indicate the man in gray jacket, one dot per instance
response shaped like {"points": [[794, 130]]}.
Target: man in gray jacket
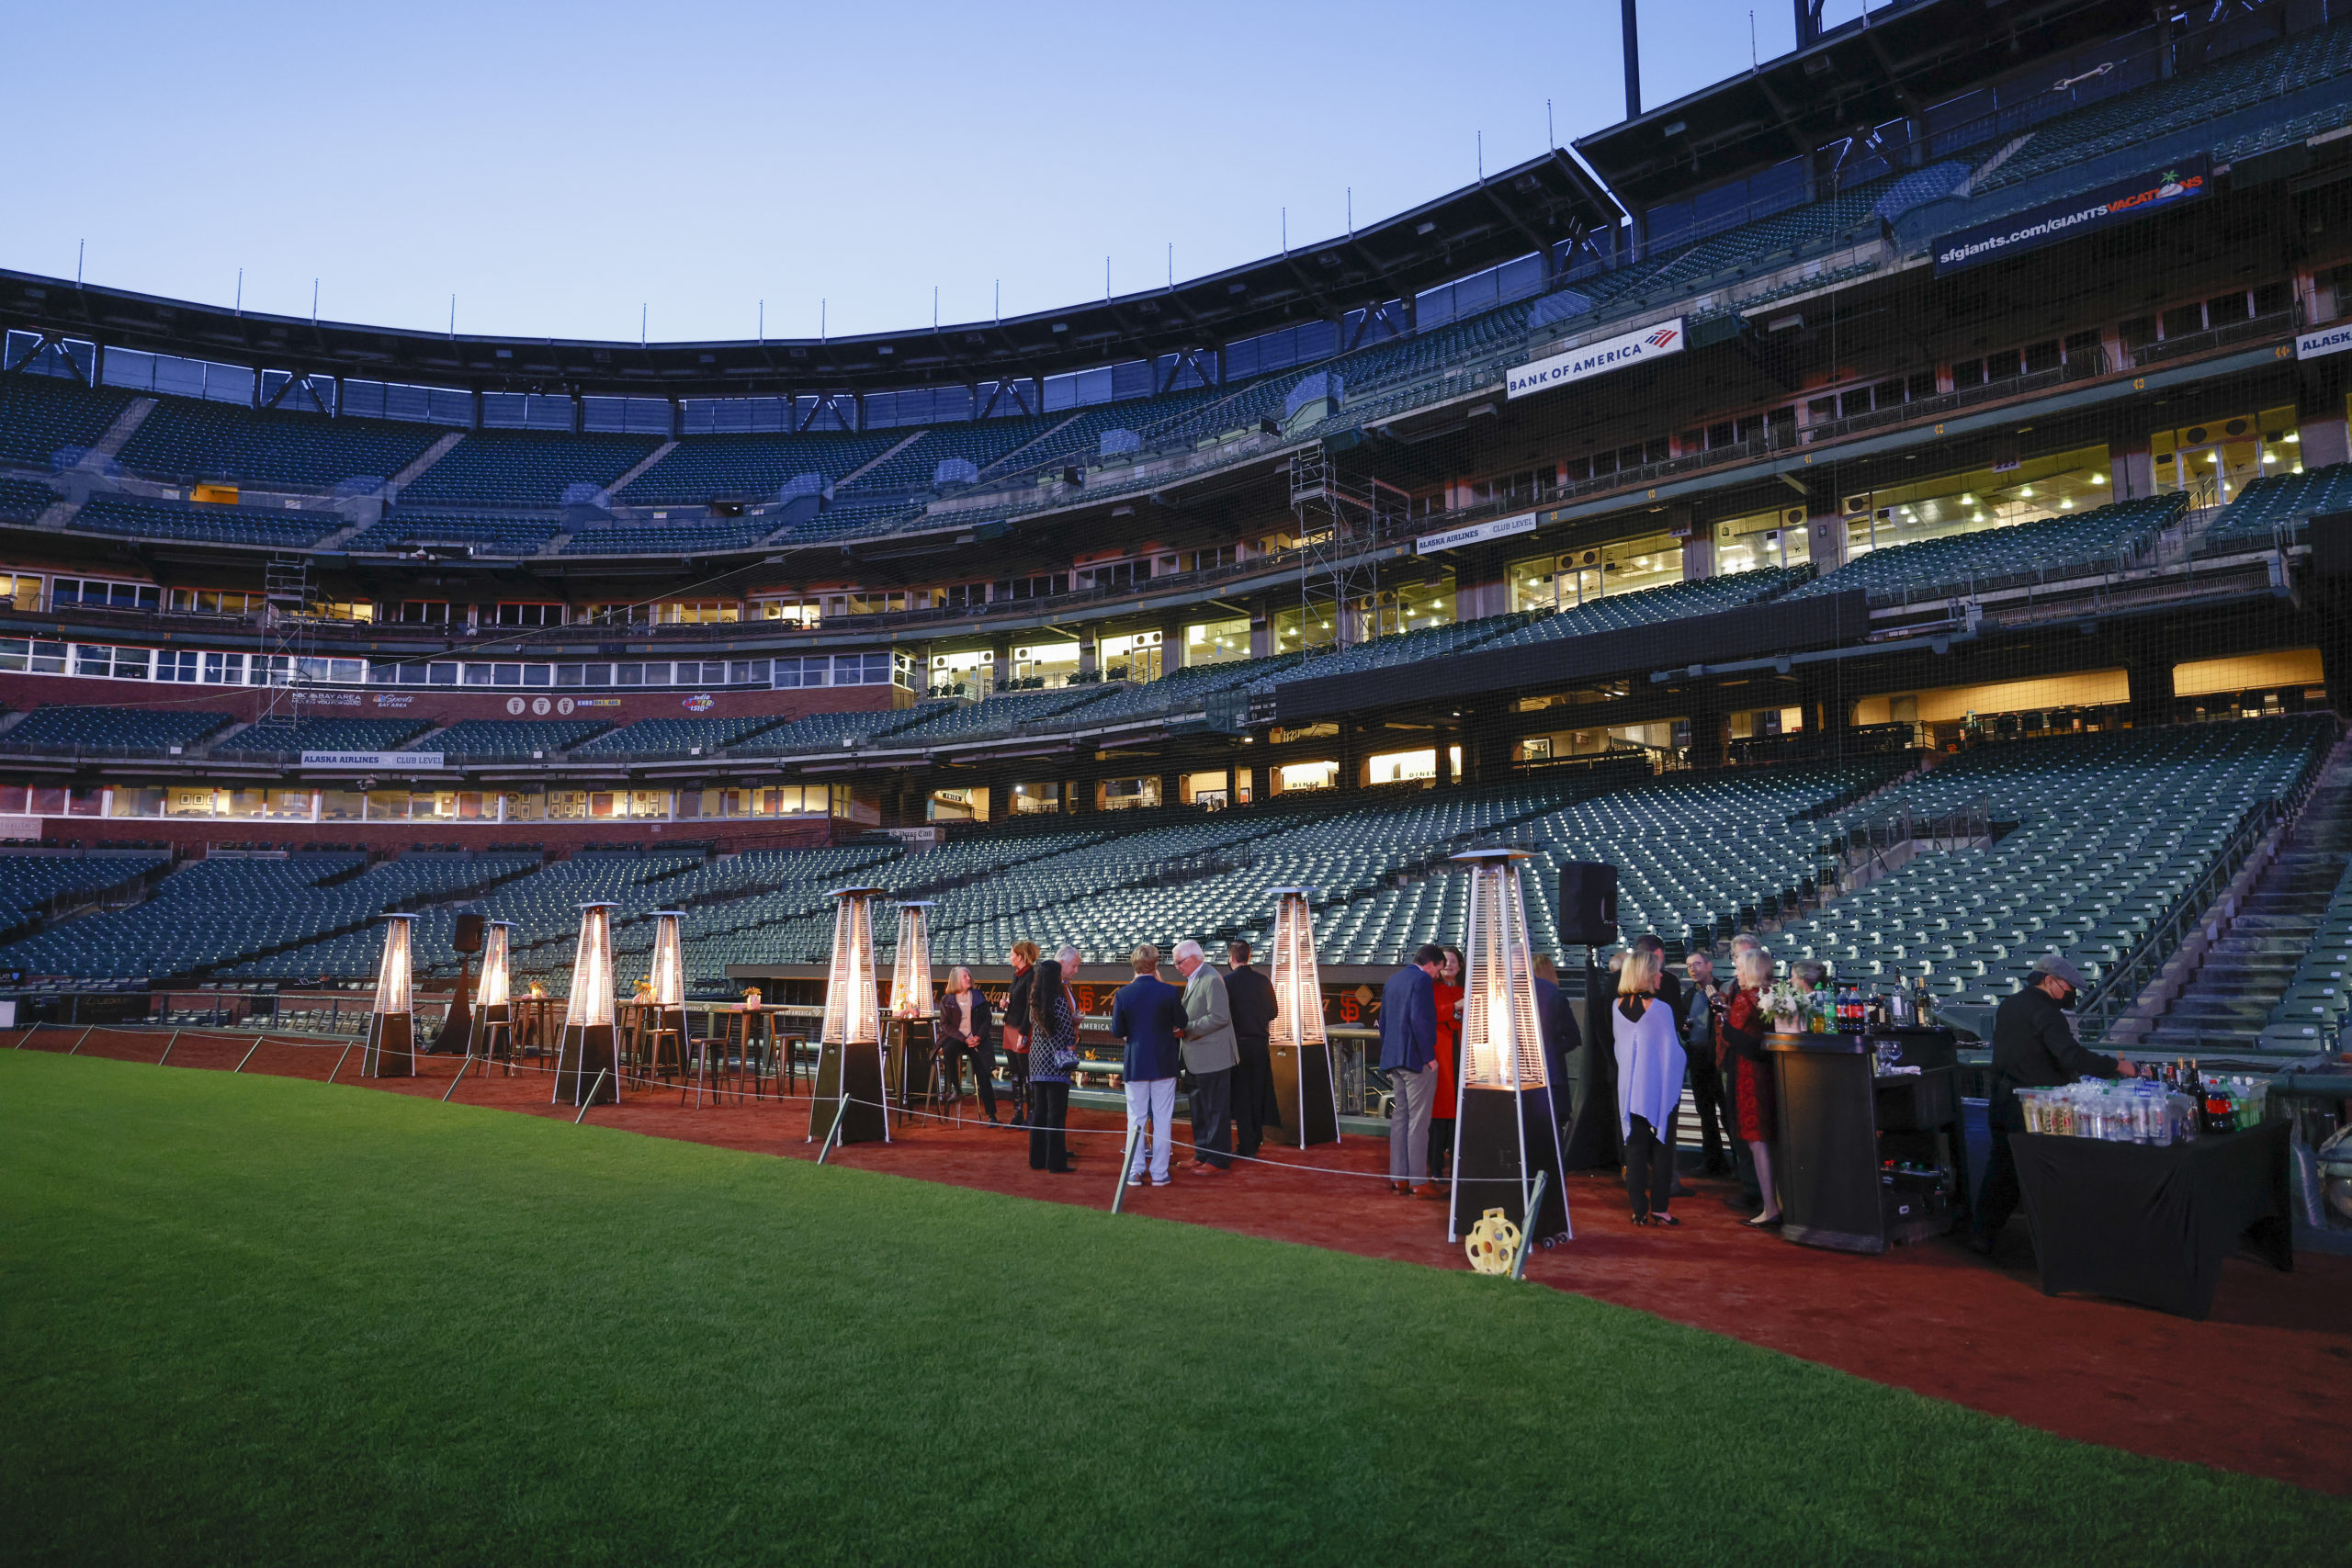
{"points": [[1210, 1054]]}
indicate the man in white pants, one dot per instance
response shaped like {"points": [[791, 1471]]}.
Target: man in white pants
{"points": [[1146, 1015]]}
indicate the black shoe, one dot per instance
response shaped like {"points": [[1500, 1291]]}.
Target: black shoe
{"points": [[1716, 1167], [1980, 1244], [1641, 1219], [1664, 1219]]}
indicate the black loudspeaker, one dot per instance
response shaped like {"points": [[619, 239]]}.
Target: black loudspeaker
{"points": [[1588, 903], [467, 936]]}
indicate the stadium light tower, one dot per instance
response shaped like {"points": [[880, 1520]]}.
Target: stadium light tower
{"points": [[587, 1066], [392, 1024], [1304, 1087], [849, 1058], [1507, 1133]]}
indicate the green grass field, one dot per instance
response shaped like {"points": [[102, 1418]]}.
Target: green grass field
{"points": [[252, 1319]]}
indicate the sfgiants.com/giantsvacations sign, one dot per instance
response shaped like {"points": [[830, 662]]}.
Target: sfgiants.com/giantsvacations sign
{"points": [[1598, 358]]}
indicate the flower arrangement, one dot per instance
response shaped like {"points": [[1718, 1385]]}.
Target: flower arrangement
{"points": [[1788, 1005]]}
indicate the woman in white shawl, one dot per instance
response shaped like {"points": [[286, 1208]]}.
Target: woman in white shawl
{"points": [[1649, 1086]]}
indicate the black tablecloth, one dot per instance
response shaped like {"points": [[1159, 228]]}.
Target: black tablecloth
{"points": [[2152, 1224]]}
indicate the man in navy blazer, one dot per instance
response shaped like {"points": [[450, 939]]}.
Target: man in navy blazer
{"points": [[1409, 1056], [1147, 1014]]}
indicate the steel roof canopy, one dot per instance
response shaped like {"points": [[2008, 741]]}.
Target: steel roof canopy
{"points": [[1506, 215], [1898, 60]]}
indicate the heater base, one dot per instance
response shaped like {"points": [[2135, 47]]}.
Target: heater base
{"points": [[1304, 1093], [1493, 1126], [854, 1073], [392, 1046], [586, 1064]]}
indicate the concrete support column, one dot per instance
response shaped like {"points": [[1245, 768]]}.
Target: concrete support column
{"points": [[1172, 644], [1481, 583], [2132, 469], [1710, 729], [2148, 678], [1001, 671], [2319, 415], [1699, 554], [1089, 639], [1351, 756], [1826, 533], [1261, 630]]}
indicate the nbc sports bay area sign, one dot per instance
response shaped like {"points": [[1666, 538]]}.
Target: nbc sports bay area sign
{"points": [[1652, 342]]}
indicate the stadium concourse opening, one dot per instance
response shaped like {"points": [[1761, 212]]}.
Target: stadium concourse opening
{"points": [[1864, 547]]}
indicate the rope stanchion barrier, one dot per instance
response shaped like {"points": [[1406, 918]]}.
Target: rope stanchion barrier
{"points": [[167, 1048], [83, 1040], [594, 1090], [834, 1132], [1527, 1230], [340, 1060], [460, 1078], [1126, 1163]]}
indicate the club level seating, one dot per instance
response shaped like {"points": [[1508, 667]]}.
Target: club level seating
{"points": [[1406, 648], [217, 524], [2048, 550], [323, 732], [486, 532], [2172, 106], [42, 416], [669, 537], [519, 739], [24, 500], [1647, 606], [1007, 710], [850, 519], [1079, 439], [752, 467], [155, 731], [522, 468], [1182, 691], [677, 736], [182, 437], [2277, 504], [837, 731]]}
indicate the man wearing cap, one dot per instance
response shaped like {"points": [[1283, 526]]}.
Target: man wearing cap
{"points": [[2032, 1048]]}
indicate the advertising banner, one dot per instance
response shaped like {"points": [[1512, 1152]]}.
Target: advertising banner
{"points": [[1598, 358], [1475, 533], [2052, 221]]}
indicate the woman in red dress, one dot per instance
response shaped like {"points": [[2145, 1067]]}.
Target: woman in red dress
{"points": [[1449, 1030], [1747, 1072]]}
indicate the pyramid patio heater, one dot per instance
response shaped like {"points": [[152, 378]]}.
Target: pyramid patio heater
{"points": [[663, 1020], [914, 1034], [493, 1013], [849, 1058], [1305, 1086], [1507, 1133], [391, 1025], [587, 1063]]}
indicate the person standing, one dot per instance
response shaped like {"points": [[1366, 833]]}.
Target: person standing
{"points": [[2033, 1047], [1250, 995], [1748, 1073], [1052, 1050], [964, 1024], [1147, 1014], [1448, 993], [1209, 1056], [1649, 1087], [1409, 1056], [1669, 988], [1699, 1005], [1024, 959]]}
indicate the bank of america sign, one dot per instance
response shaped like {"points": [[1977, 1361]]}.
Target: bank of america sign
{"points": [[1599, 358]]}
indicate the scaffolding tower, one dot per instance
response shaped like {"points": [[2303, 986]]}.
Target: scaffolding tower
{"points": [[1341, 521], [288, 619]]}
